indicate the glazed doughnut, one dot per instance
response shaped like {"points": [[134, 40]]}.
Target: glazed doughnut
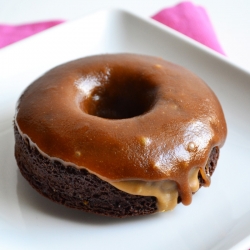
{"points": [[119, 134]]}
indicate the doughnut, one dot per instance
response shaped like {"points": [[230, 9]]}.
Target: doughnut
{"points": [[119, 134]]}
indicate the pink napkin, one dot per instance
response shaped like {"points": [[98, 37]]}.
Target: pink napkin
{"points": [[185, 17], [13, 33], [192, 21]]}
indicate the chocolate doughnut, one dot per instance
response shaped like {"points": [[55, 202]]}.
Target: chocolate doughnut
{"points": [[119, 134]]}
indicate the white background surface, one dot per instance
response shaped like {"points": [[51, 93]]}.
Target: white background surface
{"points": [[231, 18]]}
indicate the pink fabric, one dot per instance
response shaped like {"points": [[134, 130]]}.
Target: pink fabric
{"points": [[13, 33], [191, 20], [185, 17]]}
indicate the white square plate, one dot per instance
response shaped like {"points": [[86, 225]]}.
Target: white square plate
{"points": [[219, 216]]}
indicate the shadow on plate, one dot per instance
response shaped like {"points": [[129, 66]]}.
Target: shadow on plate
{"points": [[28, 195]]}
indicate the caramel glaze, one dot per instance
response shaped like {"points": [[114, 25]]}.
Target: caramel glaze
{"points": [[125, 117]]}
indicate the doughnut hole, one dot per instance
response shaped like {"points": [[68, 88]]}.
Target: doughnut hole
{"points": [[120, 96]]}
